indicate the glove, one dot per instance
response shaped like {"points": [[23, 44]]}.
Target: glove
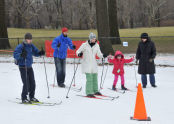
{"points": [[80, 54], [136, 62], [110, 57], [24, 53], [58, 45], [133, 58], [74, 47], [104, 55], [41, 53], [151, 60]]}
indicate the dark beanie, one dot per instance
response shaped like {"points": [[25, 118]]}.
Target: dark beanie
{"points": [[144, 36], [28, 36]]}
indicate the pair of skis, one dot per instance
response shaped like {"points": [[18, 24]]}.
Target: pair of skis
{"points": [[121, 91], [36, 103], [101, 97], [118, 91], [74, 88], [67, 87]]}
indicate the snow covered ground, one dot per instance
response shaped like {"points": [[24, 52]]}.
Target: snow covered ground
{"points": [[161, 59], [77, 110]]}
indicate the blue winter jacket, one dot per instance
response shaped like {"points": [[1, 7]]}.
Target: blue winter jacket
{"points": [[65, 42], [30, 49]]}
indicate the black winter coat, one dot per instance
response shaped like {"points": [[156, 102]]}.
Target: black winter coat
{"points": [[145, 52]]}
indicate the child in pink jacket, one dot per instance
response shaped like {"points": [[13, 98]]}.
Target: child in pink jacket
{"points": [[118, 62]]}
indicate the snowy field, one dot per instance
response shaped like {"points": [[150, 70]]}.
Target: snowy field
{"points": [[161, 59], [78, 110]]}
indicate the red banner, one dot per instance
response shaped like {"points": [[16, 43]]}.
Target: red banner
{"points": [[70, 53]]}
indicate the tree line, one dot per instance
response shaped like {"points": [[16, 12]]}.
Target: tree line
{"points": [[107, 16], [81, 14]]}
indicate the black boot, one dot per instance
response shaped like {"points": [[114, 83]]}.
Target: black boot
{"points": [[62, 85], [144, 86], [34, 100], [26, 101], [154, 86], [113, 88], [98, 93], [123, 88], [90, 96]]}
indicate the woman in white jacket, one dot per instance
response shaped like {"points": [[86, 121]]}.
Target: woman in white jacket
{"points": [[89, 50]]}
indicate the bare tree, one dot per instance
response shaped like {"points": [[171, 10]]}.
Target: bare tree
{"points": [[50, 9], [91, 14], [81, 14], [27, 9], [126, 13], [153, 11], [103, 27], [59, 13], [4, 43], [113, 22]]}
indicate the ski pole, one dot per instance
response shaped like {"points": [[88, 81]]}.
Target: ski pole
{"points": [[105, 76], [26, 74], [135, 71], [135, 75], [46, 77], [102, 74], [74, 69], [54, 79], [72, 79]]}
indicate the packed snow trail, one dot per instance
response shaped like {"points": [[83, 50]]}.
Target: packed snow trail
{"points": [[75, 110]]}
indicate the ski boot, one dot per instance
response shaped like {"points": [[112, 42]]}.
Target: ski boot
{"points": [[154, 86], [113, 88], [26, 101], [34, 100], [123, 87], [98, 93], [62, 85], [90, 96]]}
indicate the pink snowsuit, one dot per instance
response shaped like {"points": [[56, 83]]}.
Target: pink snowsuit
{"points": [[119, 66]]}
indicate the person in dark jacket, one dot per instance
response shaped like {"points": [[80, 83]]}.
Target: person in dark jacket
{"points": [[146, 53], [60, 45], [23, 55]]}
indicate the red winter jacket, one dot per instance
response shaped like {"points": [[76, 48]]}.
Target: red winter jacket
{"points": [[119, 64]]}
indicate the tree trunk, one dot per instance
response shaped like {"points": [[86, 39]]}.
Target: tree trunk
{"points": [[27, 21], [61, 12], [158, 18], [113, 22], [4, 43], [103, 27], [131, 21], [19, 20]]}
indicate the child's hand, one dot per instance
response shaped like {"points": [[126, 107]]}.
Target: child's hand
{"points": [[133, 58], [110, 57]]}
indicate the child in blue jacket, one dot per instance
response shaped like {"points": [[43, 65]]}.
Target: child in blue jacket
{"points": [[23, 56]]}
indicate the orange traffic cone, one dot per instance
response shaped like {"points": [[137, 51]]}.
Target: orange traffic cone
{"points": [[140, 109]]}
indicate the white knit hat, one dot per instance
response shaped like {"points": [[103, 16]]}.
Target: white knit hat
{"points": [[92, 36]]}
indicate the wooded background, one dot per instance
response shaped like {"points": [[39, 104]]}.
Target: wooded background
{"points": [[81, 14], [107, 16]]}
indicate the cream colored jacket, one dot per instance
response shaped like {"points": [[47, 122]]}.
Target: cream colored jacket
{"points": [[89, 63]]}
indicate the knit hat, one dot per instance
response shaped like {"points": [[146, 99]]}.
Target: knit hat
{"points": [[64, 29], [92, 36], [144, 36], [28, 36]]}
